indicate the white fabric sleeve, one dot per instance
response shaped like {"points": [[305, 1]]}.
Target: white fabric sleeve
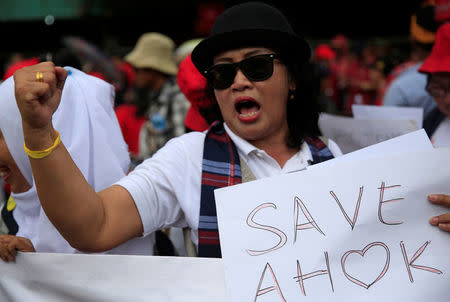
{"points": [[162, 185]]}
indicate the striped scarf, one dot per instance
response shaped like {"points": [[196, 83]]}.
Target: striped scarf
{"points": [[221, 168]]}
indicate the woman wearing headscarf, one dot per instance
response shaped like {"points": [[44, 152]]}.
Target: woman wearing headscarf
{"points": [[91, 134], [267, 126]]}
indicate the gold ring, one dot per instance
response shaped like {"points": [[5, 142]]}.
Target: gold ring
{"points": [[39, 76]]}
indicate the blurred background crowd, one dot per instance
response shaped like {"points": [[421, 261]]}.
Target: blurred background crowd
{"points": [[358, 47]]}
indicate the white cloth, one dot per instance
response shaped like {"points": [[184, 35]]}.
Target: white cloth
{"points": [[166, 188], [90, 131], [441, 136]]}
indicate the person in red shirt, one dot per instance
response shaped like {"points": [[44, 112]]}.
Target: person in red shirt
{"points": [[193, 86], [342, 66], [131, 123]]}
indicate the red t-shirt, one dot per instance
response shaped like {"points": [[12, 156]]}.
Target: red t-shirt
{"points": [[131, 125]]}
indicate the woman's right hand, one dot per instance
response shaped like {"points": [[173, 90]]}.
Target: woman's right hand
{"points": [[38, 100], [9, 245], [441, 221]]}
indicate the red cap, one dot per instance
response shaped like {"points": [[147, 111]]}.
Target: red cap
{"points": [[193, 86], [439, 58], [16, 66], [324, 52]]}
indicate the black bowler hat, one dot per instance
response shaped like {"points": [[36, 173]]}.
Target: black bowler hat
{"points": [[251, 24]]}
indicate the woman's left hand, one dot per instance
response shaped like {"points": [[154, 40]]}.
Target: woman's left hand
{"points": [[9, 245], [441, 221]]}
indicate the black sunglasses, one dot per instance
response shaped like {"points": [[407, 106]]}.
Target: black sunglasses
{"points": [[256, 68]]}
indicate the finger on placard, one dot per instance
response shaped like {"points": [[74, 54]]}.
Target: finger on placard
{"points": [[24, 245], [13, 246], [441, 219], [4, 253], [12, 252], [444, 226], [441, 199]]}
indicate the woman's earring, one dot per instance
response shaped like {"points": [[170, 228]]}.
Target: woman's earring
{"points": [[291, 94]]}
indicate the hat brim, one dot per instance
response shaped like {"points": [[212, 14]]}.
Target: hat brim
{"points": [[431, 65], [287, 45], [161, 65]]}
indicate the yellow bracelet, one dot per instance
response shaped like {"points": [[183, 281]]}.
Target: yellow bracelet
{"points": [[42, 153]]}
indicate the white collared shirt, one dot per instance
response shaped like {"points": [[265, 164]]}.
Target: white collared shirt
{"points": [[166, 187], [263, 165]]}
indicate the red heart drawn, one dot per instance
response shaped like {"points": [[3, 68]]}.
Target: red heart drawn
{"points": [[361, 253]]}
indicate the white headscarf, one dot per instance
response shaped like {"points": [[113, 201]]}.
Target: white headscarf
{"points": [[91, 133]]}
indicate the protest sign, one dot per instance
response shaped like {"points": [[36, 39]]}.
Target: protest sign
{"points": [[47, 277], [414, 141], [352, 134], [372, 112], [359, 232]]}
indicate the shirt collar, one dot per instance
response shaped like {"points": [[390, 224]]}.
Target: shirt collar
{"points": [[246, 148]]}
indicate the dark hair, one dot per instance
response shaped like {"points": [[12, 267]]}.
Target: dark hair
{"points": [[302, 110]]}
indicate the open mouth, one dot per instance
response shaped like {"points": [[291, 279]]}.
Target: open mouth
{"points": [[247, 108]]}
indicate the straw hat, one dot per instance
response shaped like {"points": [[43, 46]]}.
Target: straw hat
{"points": [[423, 25], [153, 50]]}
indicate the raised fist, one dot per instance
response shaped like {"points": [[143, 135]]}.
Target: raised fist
{"points": [[38, 91]]}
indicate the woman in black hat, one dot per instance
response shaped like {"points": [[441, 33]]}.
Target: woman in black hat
{"points": [[267, 125]]}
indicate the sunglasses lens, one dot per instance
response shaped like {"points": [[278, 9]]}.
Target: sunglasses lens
{"points": [[222, 76], [258, 68]]}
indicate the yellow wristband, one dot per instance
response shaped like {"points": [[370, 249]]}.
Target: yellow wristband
{"points": [[10, 204], [42, 153]]}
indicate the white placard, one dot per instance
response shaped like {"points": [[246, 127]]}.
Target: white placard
{"points": [[352, 134], [410, 142], [372, 112], [359, 232]]}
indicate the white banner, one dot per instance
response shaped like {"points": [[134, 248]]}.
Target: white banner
{"points": [[357, 231], [353, 134], [41, 277]]}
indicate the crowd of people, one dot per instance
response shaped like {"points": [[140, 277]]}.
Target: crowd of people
{"points": [[129, 165]]}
